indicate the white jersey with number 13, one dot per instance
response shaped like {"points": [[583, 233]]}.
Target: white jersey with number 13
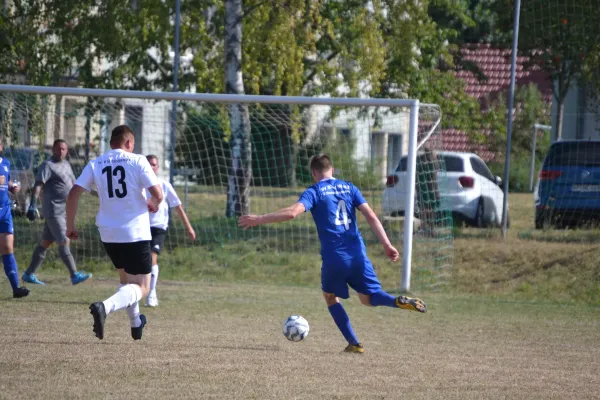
{"points": [[121, 179]]}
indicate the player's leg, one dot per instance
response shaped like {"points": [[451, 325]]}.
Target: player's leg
{"points": [[8, 259], [334, 287], [152, 299], [38, 256], [158, 239], [364, 280], [6, 249], [57, 225], [133, 260]]}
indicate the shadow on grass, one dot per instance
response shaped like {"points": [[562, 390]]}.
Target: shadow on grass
{"points": [[29, 300], [562, 235], [476, 233], [79, 343]]}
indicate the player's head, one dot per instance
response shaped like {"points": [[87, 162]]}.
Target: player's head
{"points": [[60, 149], [153, 160], [122, 137], [321, 167]]}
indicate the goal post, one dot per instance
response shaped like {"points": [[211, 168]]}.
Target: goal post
{"points": [[236, 154]]}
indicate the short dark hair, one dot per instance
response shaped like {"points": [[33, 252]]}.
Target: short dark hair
{"points": [[320, 163], [151, 157], [59, 141], [120, 134]]}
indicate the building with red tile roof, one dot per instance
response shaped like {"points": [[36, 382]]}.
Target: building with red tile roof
{"points": [[495, 65]]}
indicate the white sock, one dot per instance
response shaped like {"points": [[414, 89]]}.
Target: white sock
{"points": [[133, 311], [153, 278], [127, 295]]}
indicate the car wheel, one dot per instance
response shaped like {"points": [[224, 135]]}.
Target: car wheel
{"points": [[541, 220], [480, 215]]}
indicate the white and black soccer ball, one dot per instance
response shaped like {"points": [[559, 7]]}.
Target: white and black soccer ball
{"points": [[295, 328]]}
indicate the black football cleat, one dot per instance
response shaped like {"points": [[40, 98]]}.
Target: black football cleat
{"points": [[99, 313], [136, 333], [20, 292]]}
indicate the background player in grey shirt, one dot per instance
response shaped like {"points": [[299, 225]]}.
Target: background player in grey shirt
{"points": [[57, 178]]}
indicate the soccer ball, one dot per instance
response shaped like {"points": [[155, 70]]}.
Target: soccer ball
{"points": [[295, 328]]}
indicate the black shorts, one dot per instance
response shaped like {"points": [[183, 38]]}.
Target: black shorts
{"points": [[135, 258], [158, 239]]}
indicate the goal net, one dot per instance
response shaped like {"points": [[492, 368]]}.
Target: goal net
{"points": [[563, 40], [227, 159]]}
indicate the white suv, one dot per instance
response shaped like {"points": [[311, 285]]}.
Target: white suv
{"points": [[472, 192]]}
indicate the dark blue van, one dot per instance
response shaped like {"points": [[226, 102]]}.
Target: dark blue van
{"points": [[567, 193]]}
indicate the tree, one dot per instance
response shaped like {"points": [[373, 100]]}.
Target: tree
{"points": [[92, 44], [240, 171], [559, 39]]}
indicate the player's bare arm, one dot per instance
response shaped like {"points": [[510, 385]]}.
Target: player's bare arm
{"points": [[390, 251], [32, 212], [35, 192], [284, 214], [188, 227], [72, 205], [156, 197]]}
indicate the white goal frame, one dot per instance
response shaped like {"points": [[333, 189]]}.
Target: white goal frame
{"points": [[412, 104]]}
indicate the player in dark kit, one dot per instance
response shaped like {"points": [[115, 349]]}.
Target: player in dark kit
{"points": [[332, 203]]}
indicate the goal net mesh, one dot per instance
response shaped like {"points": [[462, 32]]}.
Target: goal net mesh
{"points": [[236, 159], [562, 38]]}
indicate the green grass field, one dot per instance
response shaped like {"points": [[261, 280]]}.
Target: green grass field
{"points": [[519, 319]]}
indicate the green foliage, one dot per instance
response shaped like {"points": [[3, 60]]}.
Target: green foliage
{"points": [[53, 42], [362, 173], [204, 145], [531, 109]]}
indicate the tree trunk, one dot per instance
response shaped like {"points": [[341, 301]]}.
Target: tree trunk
{"points": [[240, 170]]}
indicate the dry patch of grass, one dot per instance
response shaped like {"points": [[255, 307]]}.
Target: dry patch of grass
{"points": [[225, 341]]}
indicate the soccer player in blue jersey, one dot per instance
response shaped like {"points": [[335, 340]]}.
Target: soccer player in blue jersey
{"points": [[6, 228], [332, 203]]}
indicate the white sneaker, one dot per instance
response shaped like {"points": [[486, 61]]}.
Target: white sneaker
{"points": [[152, 300]]}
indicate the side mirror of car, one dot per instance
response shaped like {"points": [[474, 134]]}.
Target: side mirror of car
{"points": [[498, 181]]}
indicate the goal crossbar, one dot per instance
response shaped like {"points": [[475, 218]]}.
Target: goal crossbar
{"points": [[210, 97]]}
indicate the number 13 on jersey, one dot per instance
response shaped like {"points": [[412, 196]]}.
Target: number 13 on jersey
{"points": [[110, 172], [341, 215]]}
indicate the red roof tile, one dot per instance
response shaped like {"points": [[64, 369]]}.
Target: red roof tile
{"points": [[495, 64]]}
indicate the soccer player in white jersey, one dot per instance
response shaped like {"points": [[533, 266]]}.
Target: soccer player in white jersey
{"points": [[121, 179], [159, 223]]}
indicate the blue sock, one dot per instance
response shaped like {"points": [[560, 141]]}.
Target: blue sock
{"points": [[343, 322], [11, 270], [382, 298]]}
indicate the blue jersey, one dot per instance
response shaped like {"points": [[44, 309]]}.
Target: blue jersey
{"points": [[4, 179], [333, 203]]}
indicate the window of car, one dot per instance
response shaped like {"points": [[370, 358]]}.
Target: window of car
{"points": [[481, 169], [584, 154], [452, 163], [401, 165]]}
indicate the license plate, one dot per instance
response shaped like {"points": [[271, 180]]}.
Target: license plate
{"points": [[586, 188]]}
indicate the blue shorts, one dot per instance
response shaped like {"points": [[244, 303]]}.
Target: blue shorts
{"points": [[6, 222], [357, 272]]}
